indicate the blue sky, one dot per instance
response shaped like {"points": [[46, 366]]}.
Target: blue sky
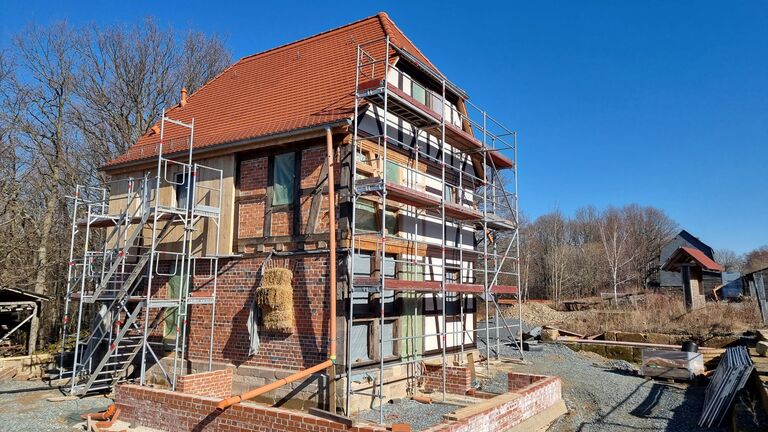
{"points": [[659, 103]]}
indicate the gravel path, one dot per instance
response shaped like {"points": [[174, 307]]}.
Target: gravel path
{"points": [[606, 395], [419, 416], [23, 407]]}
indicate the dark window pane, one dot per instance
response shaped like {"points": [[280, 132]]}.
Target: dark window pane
{"points": [[284, 176]]}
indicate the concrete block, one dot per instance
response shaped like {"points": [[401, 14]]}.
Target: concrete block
{"points": [[762, 348], [619, 353], [659, 338], [630, 337]]}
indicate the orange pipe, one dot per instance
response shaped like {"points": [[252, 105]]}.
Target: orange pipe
{"points": [[332, 244], [228, 402]]}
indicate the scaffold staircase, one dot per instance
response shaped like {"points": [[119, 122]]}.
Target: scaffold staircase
{"points": [[122, 252]]}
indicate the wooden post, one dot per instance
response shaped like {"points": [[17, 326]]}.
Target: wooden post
{"points": [[685, 272]]}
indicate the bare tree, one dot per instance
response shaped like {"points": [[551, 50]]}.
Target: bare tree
{"points": [[556, 255], [756, 259], [615, 234], [730, 260], [130, 74], [72, 99], [651, 229]]}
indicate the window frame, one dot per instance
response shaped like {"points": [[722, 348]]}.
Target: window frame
{"points": [[271, 180]]}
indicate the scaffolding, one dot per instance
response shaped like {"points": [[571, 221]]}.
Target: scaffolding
{"points": [[464, 201], [143, 251]]}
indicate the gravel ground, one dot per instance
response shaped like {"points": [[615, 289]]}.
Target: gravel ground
{"points": [[23, 407], [419, 416], [606, 395]]}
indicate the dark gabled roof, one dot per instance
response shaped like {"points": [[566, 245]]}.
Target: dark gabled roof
{"points": [[698, 244]]}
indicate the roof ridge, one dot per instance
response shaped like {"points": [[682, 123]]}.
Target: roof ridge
{"points": [[250, 57], [301, 41], [387, 22]]}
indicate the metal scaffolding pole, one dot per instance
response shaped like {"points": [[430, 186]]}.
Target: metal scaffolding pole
{"points": [[376, 240]]}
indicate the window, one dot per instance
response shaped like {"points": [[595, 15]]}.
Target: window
{"points": [[283, 178], [436, 103], [393, 172], [449, 193], [365, 216], [390, 219], [419, 93], [368, 218], [183, 197]]}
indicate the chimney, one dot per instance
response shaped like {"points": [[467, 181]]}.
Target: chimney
{"points": [[183, 96]]}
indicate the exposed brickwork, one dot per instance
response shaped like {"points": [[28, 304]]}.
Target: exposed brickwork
{"points": [[253, 188], [517, 381], [216, 383], [306, 346], [253, 177], [166, 410], [458, 379], [513, 408], [250, 218], [172, 411]]}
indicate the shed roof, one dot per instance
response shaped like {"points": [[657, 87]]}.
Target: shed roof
{"points": [[18, 294], [689, 255]]}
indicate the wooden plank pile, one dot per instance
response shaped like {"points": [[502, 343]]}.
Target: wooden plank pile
{"points": [[731, 376]]}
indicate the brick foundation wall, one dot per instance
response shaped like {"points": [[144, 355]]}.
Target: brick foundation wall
{"points": [[167, 410], [306, 346], [517, 381], [458, 379], [217, 384], [520, 404], [172, 411]]}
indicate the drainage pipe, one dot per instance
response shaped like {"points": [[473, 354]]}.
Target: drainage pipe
{"points": [[332, 263], [228, 402], [329, 364]]}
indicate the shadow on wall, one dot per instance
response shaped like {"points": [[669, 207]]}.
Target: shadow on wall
{"points": [[310, 305]]}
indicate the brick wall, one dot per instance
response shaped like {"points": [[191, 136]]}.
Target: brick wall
{"points": [[512, 408], [216, 383], [167, 410], [306, 346], [517, 381], [253, 181], [458, 379]]}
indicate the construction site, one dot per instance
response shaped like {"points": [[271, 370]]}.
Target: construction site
{"points": [[326, 237]]}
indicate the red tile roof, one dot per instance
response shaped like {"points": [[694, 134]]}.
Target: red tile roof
{"points": [[696, 255], [303, 84]]}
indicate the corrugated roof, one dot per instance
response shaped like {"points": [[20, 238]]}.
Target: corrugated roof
{"points": [[306, 83]]}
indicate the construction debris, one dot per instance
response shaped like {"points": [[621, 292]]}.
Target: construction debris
{"points": [[672, 364], [422, 399], [731, 375]]}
